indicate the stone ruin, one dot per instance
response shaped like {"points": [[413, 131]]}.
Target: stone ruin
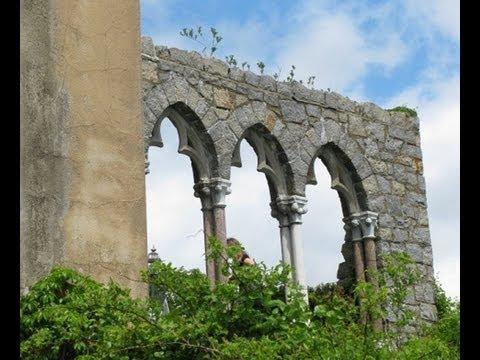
{"points": [[93, 96], [372, 155]]}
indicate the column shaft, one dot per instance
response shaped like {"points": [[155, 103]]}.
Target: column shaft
{"points": [[221, 234], [285, 243], [208, 231], [370, 257], [297, 257], [212, 194], [358, 260]]}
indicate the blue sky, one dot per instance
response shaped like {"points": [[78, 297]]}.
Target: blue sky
{"points": [[387, 52]]}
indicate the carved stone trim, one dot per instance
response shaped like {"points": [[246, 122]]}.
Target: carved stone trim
{"points": [[362, 225], [212, 192], [293, 206]]}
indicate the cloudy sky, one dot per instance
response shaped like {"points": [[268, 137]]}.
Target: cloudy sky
{"points": [[388, 52]]}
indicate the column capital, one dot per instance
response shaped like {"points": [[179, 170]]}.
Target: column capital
{"points": [[281, 216], [293, 206], [212, 192], [362, 225]]}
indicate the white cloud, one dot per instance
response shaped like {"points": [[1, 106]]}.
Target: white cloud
{"points": [[333, 48], [443, 15]]}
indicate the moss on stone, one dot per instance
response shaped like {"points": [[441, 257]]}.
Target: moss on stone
{"points": [[404, 109]]}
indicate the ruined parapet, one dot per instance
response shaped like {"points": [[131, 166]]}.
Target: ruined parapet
{"points": [[373, 155]]}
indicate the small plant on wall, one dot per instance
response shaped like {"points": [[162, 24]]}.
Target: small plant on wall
{"points": [[210, 47]]}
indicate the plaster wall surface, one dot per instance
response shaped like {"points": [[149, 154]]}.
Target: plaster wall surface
{"points": [[82, 177], [380, 150]]}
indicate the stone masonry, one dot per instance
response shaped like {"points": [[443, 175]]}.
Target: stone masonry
{"points": [[373, 156]]}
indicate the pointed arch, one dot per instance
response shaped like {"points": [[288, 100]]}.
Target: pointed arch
{"points": [[271, 159], [194, 141], [344, 178]]}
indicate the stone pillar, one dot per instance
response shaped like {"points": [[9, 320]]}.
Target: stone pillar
{"points": [[82, 200], [368, 223], [363, 226], [294, 207], [202, 191], [284, 225], [356, 237], [220, 188], [212, 193]]}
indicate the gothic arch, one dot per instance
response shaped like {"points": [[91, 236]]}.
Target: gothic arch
{"points": [[194, 141], [271, 159], [344, 178]]}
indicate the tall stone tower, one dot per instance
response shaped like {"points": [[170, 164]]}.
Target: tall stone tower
{"points": [[82, 169]]}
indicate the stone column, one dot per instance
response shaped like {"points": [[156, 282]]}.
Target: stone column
{"points": [[353, 225], [363, 226], [202, 191], [220, 188], [212, 193], [368, 223], [294, 207], [284, 225]]}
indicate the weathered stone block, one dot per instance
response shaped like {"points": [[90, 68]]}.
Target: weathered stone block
{"points": [[356, 126], [147, 46], [293, 111], [224, 99], [313, 110], [405, 135]]}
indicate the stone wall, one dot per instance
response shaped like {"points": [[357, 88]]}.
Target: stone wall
{"points": [[373, 155]]}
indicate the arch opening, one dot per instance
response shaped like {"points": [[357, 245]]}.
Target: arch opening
{"points": [[335, 171], [194, 142], [250, 206], [271, 159], [174, 222]]}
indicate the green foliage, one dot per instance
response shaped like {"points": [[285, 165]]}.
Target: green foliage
{"points": [[448, 326], [291, 74], [442, 340], [231, 60], [261, 66], [404, 109], [311, 81], [67, 315], [198, 36]]}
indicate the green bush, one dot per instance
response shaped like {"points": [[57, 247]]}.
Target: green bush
{"points": [[69, 316]]}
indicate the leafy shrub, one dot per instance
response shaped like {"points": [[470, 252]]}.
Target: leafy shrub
{"points": [[67, 315]]}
